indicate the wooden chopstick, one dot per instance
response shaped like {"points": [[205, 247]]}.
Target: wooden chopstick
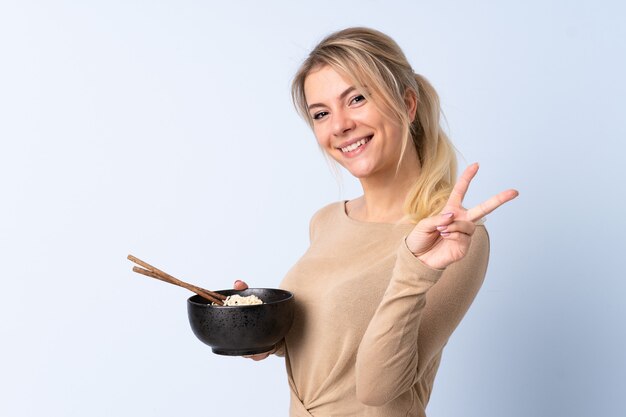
{"points": [[153, 272], [200, 291]]}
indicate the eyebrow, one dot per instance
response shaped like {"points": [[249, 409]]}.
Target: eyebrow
{"points": [[341, 97]]}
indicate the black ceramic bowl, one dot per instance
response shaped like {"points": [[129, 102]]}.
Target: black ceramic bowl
{"points": [[246, 329]]}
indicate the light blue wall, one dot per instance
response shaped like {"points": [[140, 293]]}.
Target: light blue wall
{"points": [[165, 129]]}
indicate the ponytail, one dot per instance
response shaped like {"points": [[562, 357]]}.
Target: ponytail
{"points": [[436, 153]]}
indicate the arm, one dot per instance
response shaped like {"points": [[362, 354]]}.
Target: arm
{"points": [[419, 311], [423, 304]]}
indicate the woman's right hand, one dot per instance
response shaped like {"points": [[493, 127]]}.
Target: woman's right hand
{"points": [[240, 285]]}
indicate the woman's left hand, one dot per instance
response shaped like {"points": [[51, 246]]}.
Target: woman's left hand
{"points": [[443, 239]]}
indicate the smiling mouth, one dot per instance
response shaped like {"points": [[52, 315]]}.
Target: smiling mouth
{"points": [[356, 145]]}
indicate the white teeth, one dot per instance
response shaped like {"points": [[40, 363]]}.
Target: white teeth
{"points": [[355, 145]]}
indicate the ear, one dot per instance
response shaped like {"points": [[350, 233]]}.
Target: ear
{"points": [[410, 100]]}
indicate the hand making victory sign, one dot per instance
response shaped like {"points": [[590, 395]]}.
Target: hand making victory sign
{"points": [[443, 239]]}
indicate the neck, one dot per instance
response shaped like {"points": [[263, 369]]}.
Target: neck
{"points": [[384, 195]]}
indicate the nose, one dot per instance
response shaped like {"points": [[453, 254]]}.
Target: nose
{"points": [[342, 123]]}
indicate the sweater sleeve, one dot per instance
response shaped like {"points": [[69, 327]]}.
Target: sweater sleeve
{"points": [[419, 311]]}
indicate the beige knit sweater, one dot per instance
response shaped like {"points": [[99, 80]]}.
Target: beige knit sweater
{"points": [[371, 319]]}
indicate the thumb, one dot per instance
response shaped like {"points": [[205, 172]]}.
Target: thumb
{"points": [[430, 224], [240, 285]]}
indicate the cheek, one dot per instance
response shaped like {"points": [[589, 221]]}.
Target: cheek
{"points": [[321, 137]]}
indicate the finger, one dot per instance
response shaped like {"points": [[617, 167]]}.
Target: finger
{"points": [[431, 224], [257, 357], [463, 238], [458, 226], [486, 207], [260, 357], [460, 188], [240, 285]]}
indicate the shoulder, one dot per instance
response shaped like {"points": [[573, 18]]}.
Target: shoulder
{"points": [[324, 216]]}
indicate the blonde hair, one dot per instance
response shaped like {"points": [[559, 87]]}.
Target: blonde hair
{"points": [[370, 58]]}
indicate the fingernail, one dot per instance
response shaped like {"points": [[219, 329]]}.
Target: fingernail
{"points": [[445, 234], [238, 281], [448, 215], [442, 228]]}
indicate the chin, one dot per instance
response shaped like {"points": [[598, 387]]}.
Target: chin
{"points": [[359, 169], [359, 172]]}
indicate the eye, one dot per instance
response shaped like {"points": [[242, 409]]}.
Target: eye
{"points": [[357, 99], [319, 115]]}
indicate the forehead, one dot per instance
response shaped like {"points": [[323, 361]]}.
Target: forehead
{"points": [[324, 84]]}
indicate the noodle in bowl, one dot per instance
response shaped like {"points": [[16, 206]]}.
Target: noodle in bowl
{"points": [[238, 300]]}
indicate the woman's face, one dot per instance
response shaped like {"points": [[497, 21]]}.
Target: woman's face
{"points": [[349, 128]]}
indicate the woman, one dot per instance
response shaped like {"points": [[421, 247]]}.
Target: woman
{"points": [[389, 275]]}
